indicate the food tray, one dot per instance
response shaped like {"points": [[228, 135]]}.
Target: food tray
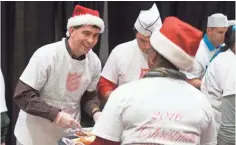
{"points": [[67, 140]]}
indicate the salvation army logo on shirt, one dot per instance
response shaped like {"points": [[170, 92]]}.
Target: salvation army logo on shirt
{"points": [[143, 72], [73, 81]]}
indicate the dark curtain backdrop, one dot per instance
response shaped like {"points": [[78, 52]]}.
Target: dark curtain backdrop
{"points": [[122, 15], [25, 26]]}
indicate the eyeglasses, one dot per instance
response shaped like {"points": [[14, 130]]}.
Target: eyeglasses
{"points": [[151, 50]]}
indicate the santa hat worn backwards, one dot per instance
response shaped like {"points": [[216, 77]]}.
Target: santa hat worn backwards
{"points": [[178, 42], [85, 16]]}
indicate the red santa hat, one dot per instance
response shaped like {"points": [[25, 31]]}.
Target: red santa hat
{"points": [[85, 16], [178, 42]]}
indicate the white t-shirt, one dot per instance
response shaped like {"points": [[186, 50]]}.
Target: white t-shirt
{"points": [[202, 57], [157, 111], [125, 63], [2, 93], [61, 82], [220, 81]]}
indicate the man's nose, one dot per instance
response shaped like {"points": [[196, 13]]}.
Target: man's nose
{"points": [[147, 45], [90, 39]]}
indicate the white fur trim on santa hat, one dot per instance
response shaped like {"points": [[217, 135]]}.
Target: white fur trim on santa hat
{"points": [[172, 52], [86, 19]]}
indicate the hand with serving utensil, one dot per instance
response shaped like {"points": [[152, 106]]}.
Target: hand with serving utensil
{"points": [[65, 120]]}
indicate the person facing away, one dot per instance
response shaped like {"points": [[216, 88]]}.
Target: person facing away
{"points": [[60, 78], [128, 61], [219, 86], [162, 108]]}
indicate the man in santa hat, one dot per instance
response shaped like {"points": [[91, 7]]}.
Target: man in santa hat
{"points": [[209, 47], [59, 78], [128, 61], [161, 108]]}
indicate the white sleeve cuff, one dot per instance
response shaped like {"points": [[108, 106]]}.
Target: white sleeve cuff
{"points": [[104, 136]]}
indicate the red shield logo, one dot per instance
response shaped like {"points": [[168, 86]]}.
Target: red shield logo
{"points": [[143, 72], [73, 81]]}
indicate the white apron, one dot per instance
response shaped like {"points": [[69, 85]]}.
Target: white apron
{"points": [[67, 81], [136, 67]]}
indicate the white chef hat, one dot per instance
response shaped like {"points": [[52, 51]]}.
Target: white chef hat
{"points": [[148, 20], [232, 22], [217, 20]]}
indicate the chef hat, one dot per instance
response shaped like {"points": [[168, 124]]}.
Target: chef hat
{"points": [[217, 20], [148, 20], [232, 22], [85, 16], [178, 42]]}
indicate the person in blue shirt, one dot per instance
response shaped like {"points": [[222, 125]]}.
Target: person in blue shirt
{"points": [[210, 44]]}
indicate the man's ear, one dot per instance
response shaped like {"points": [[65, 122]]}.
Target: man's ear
{"points": [[152, 59], [209, 30], [71, 30]]}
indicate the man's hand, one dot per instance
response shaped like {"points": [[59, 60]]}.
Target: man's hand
{"points": [[65, 120], [195, 82], [96, 116], [107, 94]]}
